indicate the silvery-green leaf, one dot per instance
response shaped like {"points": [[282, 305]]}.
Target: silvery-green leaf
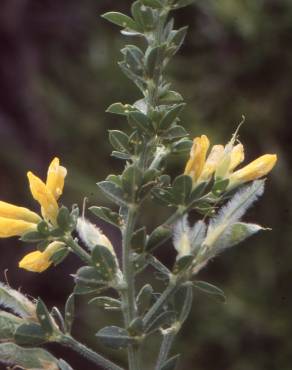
{"points": [[157, 237], [119, 140], [171, 97], [28, 358], [113, 192], [144, 298], [183, 300], [105, 262], [119, 108], [183, 263], [115, 337], [182, 3], [181, 189], [30, 334], [69, 312], [107, 215], [120, 20], [16, 301], [8, 325], [44, 317], [162, 320], [210, 289], [156, 4], [107, 303], [138, 240], [171, 116]]}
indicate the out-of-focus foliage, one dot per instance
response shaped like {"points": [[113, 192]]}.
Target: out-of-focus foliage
{"points": [[58, 73]]}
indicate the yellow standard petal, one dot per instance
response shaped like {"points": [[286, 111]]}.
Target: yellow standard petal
{"points": [[35, 262], [10, 227], [237, 156], [44, 196], [56, 178], [8, 210], [212, 162], [256, 169], [197, 159]]}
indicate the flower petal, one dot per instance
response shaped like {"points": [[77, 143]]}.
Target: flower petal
{"points": [[35, 262], [255, 170], [44, 196], [237, 156], [55, 178], [10, 227], [212, 162], [197, 159], [8, 210]]}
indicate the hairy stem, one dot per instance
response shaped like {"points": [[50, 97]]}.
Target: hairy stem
{"points": [[128, 295], [80, 348], [75, 247]]}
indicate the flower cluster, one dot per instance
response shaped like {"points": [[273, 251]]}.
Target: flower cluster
{"points": [[222, 161], [16, 221]]}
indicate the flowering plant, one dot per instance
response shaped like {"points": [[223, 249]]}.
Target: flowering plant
{"points": [[210, 185]]}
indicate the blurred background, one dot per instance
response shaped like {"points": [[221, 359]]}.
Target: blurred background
{"points": [[58, 74]]}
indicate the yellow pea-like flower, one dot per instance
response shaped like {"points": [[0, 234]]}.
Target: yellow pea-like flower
{"points": [[237, 156], [8, 210], [38, 261], [255, 170], [42, 194], [212, 162], [195, 164], [56, 178], [10, 227]]}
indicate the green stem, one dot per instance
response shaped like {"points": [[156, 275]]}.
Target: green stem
{"points": [[165, 348], [86, 352], [128, 295], [75, 247]]}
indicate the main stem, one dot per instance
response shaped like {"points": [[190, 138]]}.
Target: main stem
{"points": [[128, 294]]}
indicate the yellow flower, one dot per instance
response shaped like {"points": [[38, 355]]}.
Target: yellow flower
{"points": [[197, 159], [15, 220], [223, 160], [40, 261], [256, 169]]}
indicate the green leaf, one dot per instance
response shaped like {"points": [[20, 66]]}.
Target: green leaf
{"points": [[30, 335], [113, 192], [8, 326], [131, 181], [120, 19], [119, 140], [27, 358], [69, 312], [121, 109], [174, 132], [220, 186], [181, 189], [142, 15], [162, 320], [144, 298], [171, 116], [182, 264], [107, 303], [107, 215], [136, 327], [64, 220], [182, 3], [170, 97], [176, 39], [115, 337], [32, 237], [210, 289], [155, 4], [104, 262], [43, 228], [90, 276], [157, 237], [182, 146], [171, 364], [153, 59], [163, 196], [138, 240], [140, 121], [44, 317]]}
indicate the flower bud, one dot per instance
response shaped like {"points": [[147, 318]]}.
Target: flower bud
{"points": [[195, 164]]}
